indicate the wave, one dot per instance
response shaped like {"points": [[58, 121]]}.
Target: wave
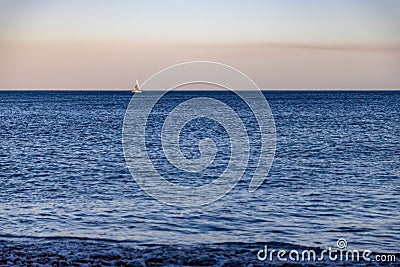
{"points": [[78, 251], [18, 238]]}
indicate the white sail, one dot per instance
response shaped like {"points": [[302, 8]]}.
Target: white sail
{"points": [[137, 89]]}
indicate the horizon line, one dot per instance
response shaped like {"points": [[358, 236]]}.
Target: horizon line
{"points": [[200, 89]]}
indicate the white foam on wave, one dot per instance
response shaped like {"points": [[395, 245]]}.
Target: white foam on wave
{"points": [[100, 253]]}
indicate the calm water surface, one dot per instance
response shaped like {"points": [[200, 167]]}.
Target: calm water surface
{"points": [[335, 175]]}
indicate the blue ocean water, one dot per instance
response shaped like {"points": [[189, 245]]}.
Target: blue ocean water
{"points": [[335, 174]]}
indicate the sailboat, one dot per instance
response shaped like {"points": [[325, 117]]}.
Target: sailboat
{"points": [[136, 89]]}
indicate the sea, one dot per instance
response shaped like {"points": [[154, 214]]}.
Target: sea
{"points": [[68, 198]]}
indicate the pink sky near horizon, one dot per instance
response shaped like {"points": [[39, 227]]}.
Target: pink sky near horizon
{"points": [[116, 66]]}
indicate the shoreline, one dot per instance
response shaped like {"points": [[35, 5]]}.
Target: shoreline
{"points": [[79, 252]]}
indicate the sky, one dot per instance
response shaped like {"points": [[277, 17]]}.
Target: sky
{"points": [[85, 44]]}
